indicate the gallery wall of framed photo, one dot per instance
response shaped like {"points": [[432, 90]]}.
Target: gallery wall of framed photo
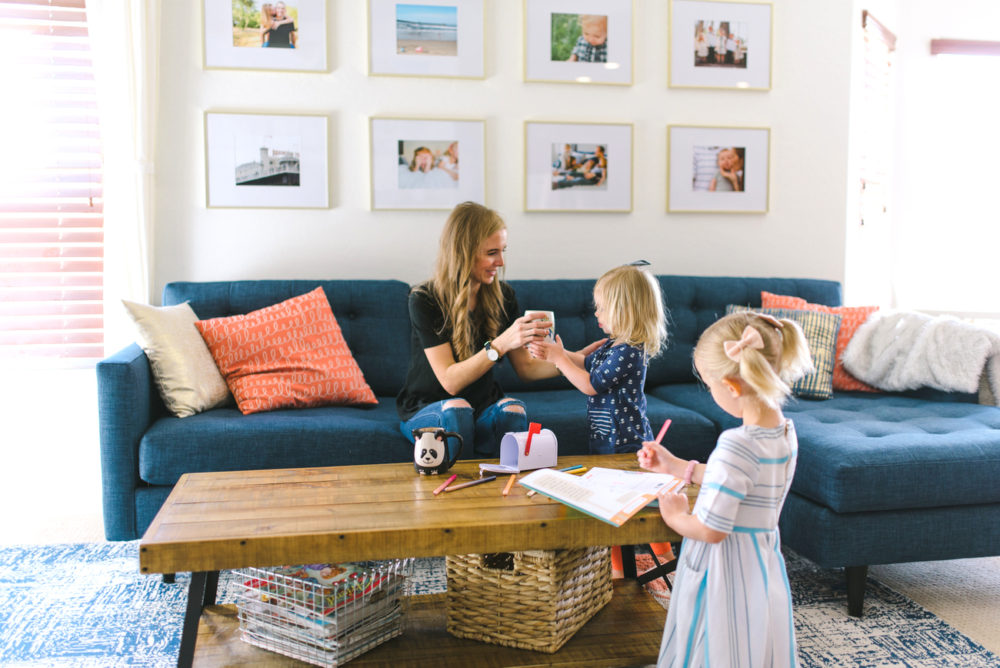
{"points": [[599, 129]]}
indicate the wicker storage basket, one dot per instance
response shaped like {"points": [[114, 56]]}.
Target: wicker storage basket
{"points": [[530, 600]]}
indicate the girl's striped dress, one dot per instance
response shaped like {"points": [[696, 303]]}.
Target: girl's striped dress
{"points": [[731, 604]]}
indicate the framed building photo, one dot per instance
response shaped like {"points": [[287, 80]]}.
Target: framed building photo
{"points": [[427, 164], [718, 170], [578, 41], [716, 44], [578, 166], [266, 35], [430, 38], [266, 161]]}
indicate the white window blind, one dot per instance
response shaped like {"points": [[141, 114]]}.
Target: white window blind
{"points": [[51, 236], [876, 120]]}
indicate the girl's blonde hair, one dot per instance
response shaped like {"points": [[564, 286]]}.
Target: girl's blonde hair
{"points": [[768, 371], [468, 226], [266, 17], [633, 308]]}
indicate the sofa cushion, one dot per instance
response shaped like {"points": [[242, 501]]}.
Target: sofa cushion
{"points": [[288, 355], [851, 317]]}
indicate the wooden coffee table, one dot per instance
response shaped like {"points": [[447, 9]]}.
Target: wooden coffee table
{"points": [[216, 521]]}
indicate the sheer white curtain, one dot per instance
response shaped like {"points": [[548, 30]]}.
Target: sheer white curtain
{"points": [[125, 43]]}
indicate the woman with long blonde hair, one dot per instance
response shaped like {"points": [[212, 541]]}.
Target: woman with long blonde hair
{"points": [[464, 321]]}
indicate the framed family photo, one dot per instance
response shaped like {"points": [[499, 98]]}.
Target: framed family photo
{"points": [[717, 170], [266, 160], [715, 44], [427, 164], [266, 35], [578, 166], [431, 38], [578, 41]]}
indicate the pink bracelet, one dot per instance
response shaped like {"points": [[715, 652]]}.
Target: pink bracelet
{"points": [[689, 471]]}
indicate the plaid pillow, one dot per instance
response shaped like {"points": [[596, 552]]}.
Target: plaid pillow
{"points": [[821, 335]]}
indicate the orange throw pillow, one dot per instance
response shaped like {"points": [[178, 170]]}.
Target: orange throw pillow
{"points": [[289, 355], [851, 317]]}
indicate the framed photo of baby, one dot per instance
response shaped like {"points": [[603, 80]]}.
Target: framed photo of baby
{"points": [[426, 164], [578, 41], [716, 44], [432, 38], [266, 35], [578, 166], [718, 170]]}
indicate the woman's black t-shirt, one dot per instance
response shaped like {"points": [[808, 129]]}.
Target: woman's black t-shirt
{"points": [[426, 331], [281, 35]]}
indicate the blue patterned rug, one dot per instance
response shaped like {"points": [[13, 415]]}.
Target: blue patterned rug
{"points": [[87, 605]]}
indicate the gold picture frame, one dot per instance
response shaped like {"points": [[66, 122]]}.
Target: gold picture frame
{"points": [[233, 37]]}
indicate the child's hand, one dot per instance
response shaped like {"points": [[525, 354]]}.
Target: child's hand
{"points": [[586, 350], [550, 351], [653, 457], [672, 504]]}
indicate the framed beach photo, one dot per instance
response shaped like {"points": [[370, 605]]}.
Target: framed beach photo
{"points": [[429, 38], [578, 166], [427, 164], [716, 44], [265, 35], [717, 170], [578, 41], [266, 160]]}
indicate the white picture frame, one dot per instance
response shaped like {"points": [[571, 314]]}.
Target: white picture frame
{"points": [[578, 166], [233, 38], [427, 164], [266, 160], [550, 27], [426, 38], [701, 29], [701, 161]]}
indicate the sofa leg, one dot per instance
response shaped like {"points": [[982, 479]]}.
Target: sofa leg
{"points": [[856, 576]]}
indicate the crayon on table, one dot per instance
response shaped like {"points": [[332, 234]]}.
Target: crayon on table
{"points": [[510, 483], [445, 484], [470, 483]]}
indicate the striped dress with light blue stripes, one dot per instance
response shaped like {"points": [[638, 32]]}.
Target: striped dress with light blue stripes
{"points": [[731, 604]]}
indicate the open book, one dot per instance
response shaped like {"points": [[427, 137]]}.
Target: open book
{"points": [[611, 495]]}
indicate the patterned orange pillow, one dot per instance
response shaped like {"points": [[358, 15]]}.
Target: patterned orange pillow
{"points": [[851, 318], [289, 355]]}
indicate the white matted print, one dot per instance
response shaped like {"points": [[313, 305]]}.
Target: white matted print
{"points": [[578, 166], [266, 34], [442, 38], [427, 164], [266, 161], [578, 41], [717, 44], [719, 170]]}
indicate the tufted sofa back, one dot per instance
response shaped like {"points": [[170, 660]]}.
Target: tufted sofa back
{"points": [[372, 314]]}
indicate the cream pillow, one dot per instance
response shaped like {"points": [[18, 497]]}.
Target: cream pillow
{"points": [[183, 368]]}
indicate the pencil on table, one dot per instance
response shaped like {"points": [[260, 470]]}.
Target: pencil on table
{"points": [[470, 483], [510, 483]]}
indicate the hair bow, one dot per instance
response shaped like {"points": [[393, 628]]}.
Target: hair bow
{"points": [[751, 339]]}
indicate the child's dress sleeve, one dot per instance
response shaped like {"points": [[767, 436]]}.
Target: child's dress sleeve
{"points": [[730, 474]]}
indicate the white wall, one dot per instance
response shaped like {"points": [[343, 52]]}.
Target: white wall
{"points": [[807, 110]]}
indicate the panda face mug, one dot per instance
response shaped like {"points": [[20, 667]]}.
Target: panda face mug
{"points": [[430, 450]]}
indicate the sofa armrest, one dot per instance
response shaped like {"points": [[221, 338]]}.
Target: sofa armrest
{"points": [[125, 404]]}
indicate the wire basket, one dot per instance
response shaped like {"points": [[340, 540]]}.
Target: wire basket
{"points": [[323, 614], [530, 600]]}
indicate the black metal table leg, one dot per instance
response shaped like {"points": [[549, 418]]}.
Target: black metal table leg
{"points": [[628, 562], [201, 592]]}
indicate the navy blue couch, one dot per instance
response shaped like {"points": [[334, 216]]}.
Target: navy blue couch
{"points": [[882, 478]]}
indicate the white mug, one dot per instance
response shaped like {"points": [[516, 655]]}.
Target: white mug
{"points": [[551, 317]]}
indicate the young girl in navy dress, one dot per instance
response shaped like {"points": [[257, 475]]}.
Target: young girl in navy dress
{"points": [[731, 604], [629, 309]]}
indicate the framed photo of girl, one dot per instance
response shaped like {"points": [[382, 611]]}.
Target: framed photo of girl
{"points": [[717, 44], [427, 164], [285, 35], [578, 166], [427, 38], [266, 160], [578, 41], [717, 169]]}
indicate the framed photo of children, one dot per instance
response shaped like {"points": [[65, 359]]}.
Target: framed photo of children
{"points": [[431, 38], [416, 164], [578, 41], [266, 34], [717, 44], [717, 170], [266, 161], [578, 166]]}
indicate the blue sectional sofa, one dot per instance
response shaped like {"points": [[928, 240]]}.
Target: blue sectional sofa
{"points": [[882, 478]]}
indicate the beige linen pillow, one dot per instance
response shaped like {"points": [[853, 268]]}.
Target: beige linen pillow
{"points": [[183, 368]]}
